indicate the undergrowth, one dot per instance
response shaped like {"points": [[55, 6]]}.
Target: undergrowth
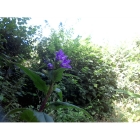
{"points": [[125, 110]]}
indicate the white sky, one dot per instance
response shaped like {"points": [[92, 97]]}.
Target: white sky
{"points": [[112, 31], [107, 21]]}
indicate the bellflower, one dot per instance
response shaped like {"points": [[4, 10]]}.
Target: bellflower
{"points": [[59, 55], [62, 58], [65, 64], [50, 66]]}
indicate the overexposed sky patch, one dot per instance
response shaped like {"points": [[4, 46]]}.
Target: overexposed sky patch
{"points": [[112, 31], [106, 21]]}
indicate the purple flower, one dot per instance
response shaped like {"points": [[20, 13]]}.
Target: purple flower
{"points": [[65, 64], [50, 66], [59, 55], [62, 58]]}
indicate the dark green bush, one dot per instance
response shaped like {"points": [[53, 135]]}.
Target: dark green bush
{"points": [[16, 43]]}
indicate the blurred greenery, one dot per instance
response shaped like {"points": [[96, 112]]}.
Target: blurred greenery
{"points": [[93, 83]]}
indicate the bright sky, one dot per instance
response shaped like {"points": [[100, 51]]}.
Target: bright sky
{"points": [[107, 21], [112, 31]]}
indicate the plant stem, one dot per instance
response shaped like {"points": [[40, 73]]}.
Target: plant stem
{"points": [[46, 98]]}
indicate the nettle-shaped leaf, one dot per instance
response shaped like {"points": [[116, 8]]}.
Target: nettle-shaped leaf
{"points": [[38, 82], [58, 74]]}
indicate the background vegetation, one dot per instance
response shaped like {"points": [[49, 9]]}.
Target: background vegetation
{"points": [[98, 74]]}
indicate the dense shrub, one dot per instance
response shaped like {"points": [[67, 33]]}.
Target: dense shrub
{"points": [[93, 80], [15, 37], [125, 63], [16, 43]]}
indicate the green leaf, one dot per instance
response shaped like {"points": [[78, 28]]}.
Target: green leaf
{"points": [[28, 116], [128, 93], [1, 97], [90, 87], [43, 117], [57, 74], [70, 75], [56, 105], [13, 112], [59, 92], [1, 78], [95, 85], [38, 82]]}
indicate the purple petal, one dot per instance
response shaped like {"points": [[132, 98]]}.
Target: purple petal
{"points": [[65, 64], [59, 55], [66, 61], [50, 66], [60, 52], [62, 58]]}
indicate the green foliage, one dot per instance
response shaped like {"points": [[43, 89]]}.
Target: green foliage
{"points": [[10, 87], [129, 93], [16, 43], [28, 116], [38, 82], [57, 75], [15, 37], [1, 97], [97, 79], [13, 111], [56, 105], [69, 115], [43, 117], [125, 110], [59, 92], [125, 62], [93, 80]]}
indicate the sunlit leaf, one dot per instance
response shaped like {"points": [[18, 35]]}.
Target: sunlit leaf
{"points": [[28, 116], [128, 93], [70, 75]]}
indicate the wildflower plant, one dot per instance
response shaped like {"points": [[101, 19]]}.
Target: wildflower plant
{"points": [[55, 74]]}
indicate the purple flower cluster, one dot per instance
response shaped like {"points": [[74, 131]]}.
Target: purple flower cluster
{"points": [[62, 58]]}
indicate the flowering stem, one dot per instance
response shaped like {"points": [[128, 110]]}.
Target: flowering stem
{"points": [[46, 98]]}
